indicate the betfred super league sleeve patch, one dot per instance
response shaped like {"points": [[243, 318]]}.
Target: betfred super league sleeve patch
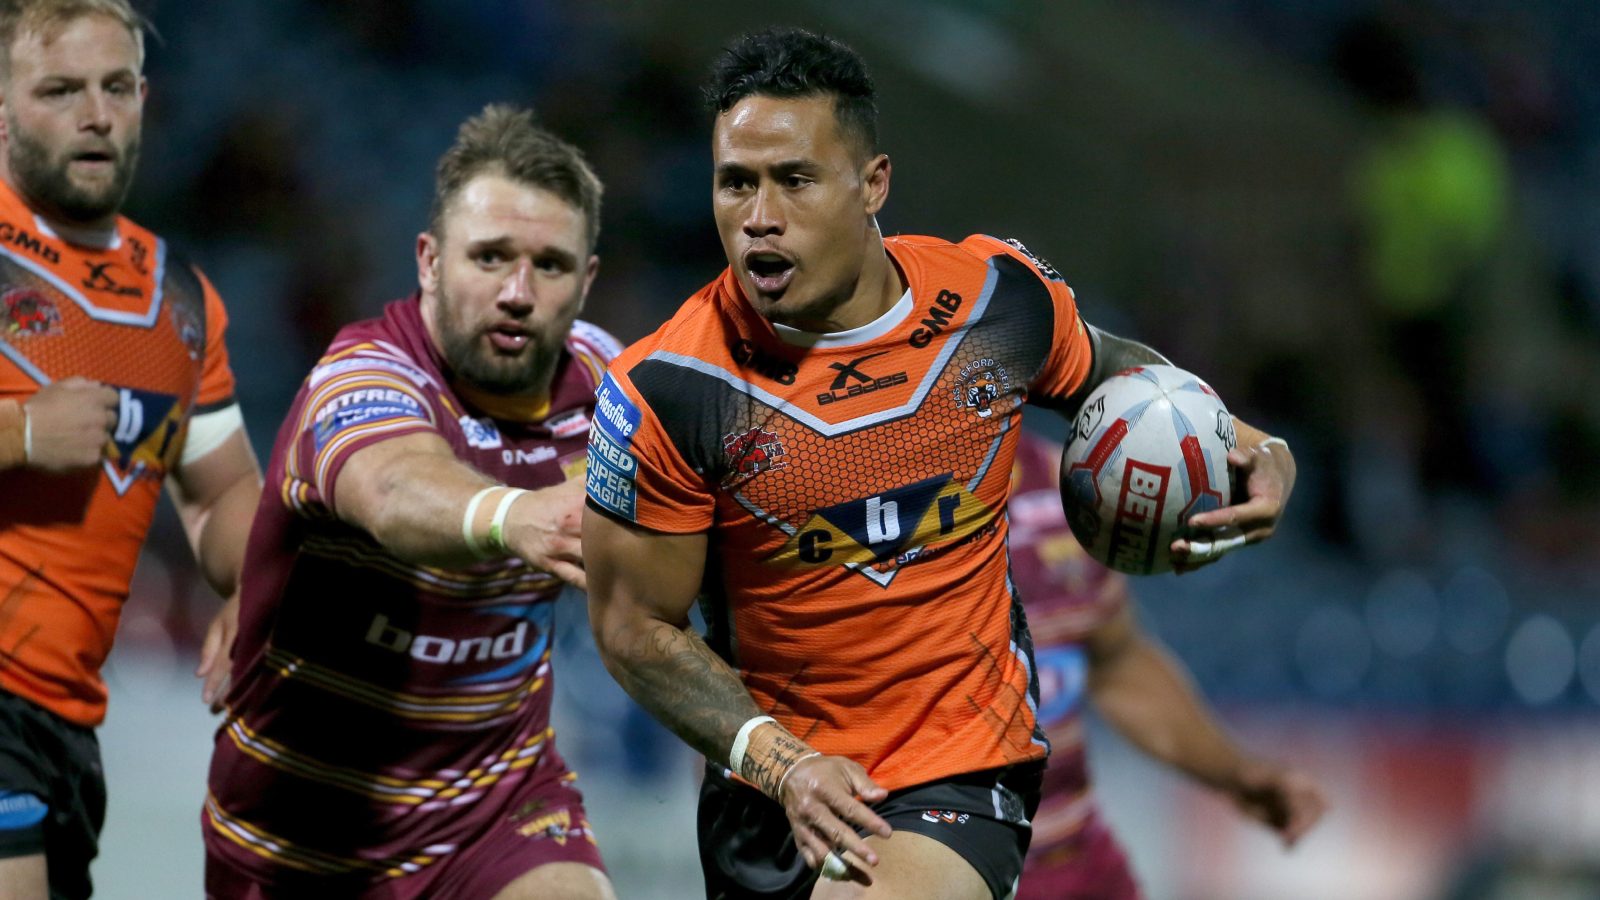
{"points": [[612, 478], [362, 408]]}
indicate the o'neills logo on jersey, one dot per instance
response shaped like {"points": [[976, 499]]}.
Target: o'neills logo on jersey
{"points": [[437, 650], [984, 386], [753, 452], [1144, 493]]}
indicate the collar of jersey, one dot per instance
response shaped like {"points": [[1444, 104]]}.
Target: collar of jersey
{"points": [[88, 238], [861, 334], [528, 410]]}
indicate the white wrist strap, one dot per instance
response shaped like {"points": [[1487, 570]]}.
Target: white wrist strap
{"points": [[476, 548], [497, 525], [1270, 441], [777, 793], [741, 742], [27, 435]]}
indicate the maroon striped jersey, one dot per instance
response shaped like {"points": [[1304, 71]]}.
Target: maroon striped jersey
{"points": [[1067, 596], [382, 713]]}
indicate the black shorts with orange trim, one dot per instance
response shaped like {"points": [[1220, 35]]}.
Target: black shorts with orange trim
{"points": [[747, 849]]}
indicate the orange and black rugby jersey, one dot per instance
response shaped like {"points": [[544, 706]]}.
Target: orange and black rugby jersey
{"points": [[135, 318], [854, 487]]}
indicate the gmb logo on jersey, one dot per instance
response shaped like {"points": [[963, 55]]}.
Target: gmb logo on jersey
{"points": [[895, 526], [144, 443]]}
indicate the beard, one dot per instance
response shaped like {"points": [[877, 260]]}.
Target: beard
{"points": [[478, 363], [49, 188]]}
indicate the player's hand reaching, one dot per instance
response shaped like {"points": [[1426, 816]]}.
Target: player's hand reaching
{"points": [[1266, 471], [546, 530], [822, 796], [69, 423], [216, 654], [1285, 800]]}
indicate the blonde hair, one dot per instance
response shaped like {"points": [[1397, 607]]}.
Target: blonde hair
{"points": [[46, 17], [509, 141]]}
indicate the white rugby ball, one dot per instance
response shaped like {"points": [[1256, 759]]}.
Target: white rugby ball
{"points": [[1149, 450]]}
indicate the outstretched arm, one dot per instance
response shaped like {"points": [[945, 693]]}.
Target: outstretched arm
{"points": [[641, 586], [1147, 696]]}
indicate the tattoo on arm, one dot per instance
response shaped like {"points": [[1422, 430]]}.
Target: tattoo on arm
{"points": [[769, 759], [1113, 354], [672, 673]]}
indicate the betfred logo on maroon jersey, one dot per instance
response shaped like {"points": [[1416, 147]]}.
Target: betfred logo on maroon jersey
{"points": [[1144, 493]]}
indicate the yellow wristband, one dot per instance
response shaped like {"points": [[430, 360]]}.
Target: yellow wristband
{"points": [[467, 531]]}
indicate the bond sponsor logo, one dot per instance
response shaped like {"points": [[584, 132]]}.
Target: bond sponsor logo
{"points": [[945, 816], [984, 387], [362, 407], [852, 382], [895, 527], [439, 651], [1144, 493], [753, 452], [480, 433], [612, 468], [569, 424], [23, 240], [144, 443], [748, 354], [936, 319], [29, 313], [1044, 268], [100, 279]]}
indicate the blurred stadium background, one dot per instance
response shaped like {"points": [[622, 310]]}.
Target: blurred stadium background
{"points": [[1374, 226]]}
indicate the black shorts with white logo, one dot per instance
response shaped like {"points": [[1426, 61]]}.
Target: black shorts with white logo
{"points": [[52, 793], [747, 849]]}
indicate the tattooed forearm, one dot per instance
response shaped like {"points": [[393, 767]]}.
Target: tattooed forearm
{"points": [[672, 673], [772, 753], [1112, 354]]}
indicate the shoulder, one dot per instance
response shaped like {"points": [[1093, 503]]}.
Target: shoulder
{"points": [[589, 340], [700, 329], [987, 247], [369, 347]]}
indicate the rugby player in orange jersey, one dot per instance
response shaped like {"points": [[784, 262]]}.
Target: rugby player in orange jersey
{"points": [[819, 444], [113, 379]]}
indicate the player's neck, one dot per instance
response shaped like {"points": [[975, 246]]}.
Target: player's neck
{"points": [[879, 288], [100, 234], [505, 407]]}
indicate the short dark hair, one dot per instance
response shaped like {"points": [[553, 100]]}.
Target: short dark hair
{"points": [[508, 141], [793, 62]]}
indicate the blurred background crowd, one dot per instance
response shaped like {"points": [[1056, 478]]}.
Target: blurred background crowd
{"points": [[1373, 226]]}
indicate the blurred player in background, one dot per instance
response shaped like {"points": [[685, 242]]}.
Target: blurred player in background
{"points": [[1087, 642], [388, 730], [113, 378], [820, 441]]}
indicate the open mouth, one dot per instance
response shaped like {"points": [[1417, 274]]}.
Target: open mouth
{"points": [[509, 338], [769, 271]]}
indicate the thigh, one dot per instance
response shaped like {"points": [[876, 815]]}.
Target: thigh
{"points": [[911, 865], [547, 841], [747, 849], [24, 878], [560, 881]]}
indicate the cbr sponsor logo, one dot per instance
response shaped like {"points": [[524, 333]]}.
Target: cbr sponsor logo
{"points": [[144, 444], [893, 527]]}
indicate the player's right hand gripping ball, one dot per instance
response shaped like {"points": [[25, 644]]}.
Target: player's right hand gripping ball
{"points": [[1149, 450]]}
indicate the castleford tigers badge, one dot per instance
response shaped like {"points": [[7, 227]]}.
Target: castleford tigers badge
{"points": [[984, 387], [26, 311]]}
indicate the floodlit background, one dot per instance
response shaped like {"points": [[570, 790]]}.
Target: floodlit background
{"points": [[1373, 226]]}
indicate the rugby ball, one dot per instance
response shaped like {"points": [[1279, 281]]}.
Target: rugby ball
{"points": [[1149, 450]]}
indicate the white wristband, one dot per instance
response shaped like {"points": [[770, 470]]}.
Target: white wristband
{"points": [[777, 793], [27, 435], [466, 522], [497, 525], [1272, 440], [741, 742]]}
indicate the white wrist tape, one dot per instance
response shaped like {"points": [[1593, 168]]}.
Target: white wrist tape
{"points": [[777, 793], [27, 435], [1272, 440], [476, 548], [497, 525], [741, 743]]}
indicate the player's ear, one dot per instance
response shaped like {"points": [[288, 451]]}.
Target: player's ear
{"points": [[427, 262], [591, 269], [875, 183]]}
